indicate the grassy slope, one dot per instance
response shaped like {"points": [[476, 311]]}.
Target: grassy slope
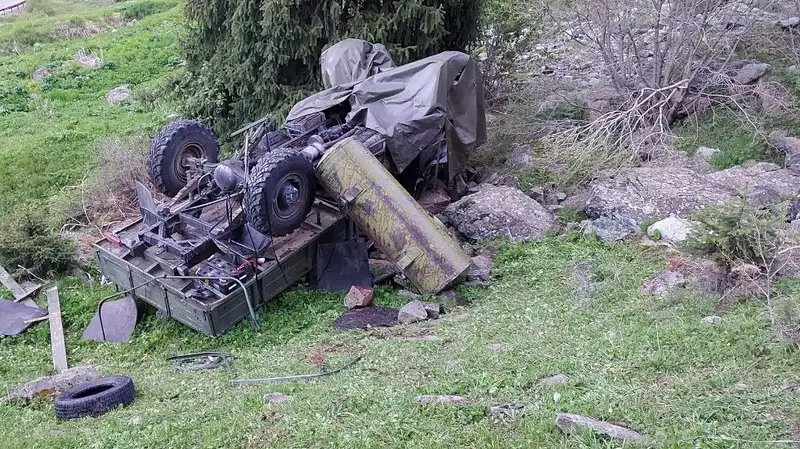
{"points": [[646, 362]]}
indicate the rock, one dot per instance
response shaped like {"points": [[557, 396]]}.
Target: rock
{"points": [[552, 381], [448, 296], [706, 153], [411, 296], [497, 347], [412, 312], [276, 398], [505, 411], [480, 269], [87, 61], [52, 385], [501, 212], [672, 229], [358, 297], [40, 73], [521, 157], [791, 22], [790, 146], [760, 183], [665, 282], [445, 399], [751, 72], [118, 94], [434, 200], [609, 230], [569, 423], [135, 420], [433, 309], [712, 320]]}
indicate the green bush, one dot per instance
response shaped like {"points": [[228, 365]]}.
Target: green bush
{"points": [[246, 58], [27, 241]]}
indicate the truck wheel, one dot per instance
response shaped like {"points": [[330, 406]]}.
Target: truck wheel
{"points": [[280, 193], [95, 398], [175, 143]]}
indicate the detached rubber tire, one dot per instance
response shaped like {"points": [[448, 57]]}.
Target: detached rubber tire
{"points": [[173, 144], [280, 193], [95, 398]]}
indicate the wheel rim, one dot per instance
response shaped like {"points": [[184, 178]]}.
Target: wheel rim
{"points": [[287, 200], [182, 166]]}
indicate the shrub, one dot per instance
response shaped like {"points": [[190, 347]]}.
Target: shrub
{"points": [[27, 241], [249, 57]]}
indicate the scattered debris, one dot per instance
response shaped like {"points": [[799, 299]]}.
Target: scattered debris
{"points": [[712, 320], [665, 282], [500, 212], [412, 312], [114, 320], [445, 399], [16, 289], [118, 94], [433, 309], [497, 347], [51, 385], [201, 361], [240, 382], [56, 331], [277, 398], [15, 317], [671, 230], [95, 398], [506, 411], [552, 381], [569, 423], [366, 318], [358, 297]]}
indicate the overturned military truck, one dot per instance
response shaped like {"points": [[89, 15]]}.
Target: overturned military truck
{"points": [[235, 233]]}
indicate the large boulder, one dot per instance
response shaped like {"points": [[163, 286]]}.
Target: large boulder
{"points": [[760, 183], [500, 211]]}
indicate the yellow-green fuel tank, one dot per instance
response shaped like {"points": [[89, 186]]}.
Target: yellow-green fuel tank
{"points": [[417, 242]]}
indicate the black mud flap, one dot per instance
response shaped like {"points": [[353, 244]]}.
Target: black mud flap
{"points": [[117, 324], [342, 265]]}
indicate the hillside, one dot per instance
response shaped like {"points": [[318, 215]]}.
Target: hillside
{"points": [[686, 367]]}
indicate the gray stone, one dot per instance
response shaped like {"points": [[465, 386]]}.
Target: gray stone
{"points": [[672, 229], [791, 22], [751, 73], [665, 282], [412, 312], [52, 385], [444, 399], [433, 309], [790, 146], [480, 269], [448, 296], [706, 153], [87, 61], [712, 320], [118, 94], [497, 347], [552, 381], [761, 183], [609, 230], [40, 73], [521, 157], [569, 423], [276, 398], [506, 411], [501, 212]]}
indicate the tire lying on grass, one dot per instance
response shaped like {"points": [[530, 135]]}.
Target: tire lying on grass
{"points": [[95, 398], [169, 155], [280, 192]]}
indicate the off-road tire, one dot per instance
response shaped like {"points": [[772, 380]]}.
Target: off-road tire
{"points": [[95, 398], [174, 141], [271, 172]]}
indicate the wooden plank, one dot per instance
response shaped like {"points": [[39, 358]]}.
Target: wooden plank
{"points": [[56, 331], [11, 284]]}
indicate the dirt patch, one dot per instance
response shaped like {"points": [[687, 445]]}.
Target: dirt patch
{"points": [[366, 318]]}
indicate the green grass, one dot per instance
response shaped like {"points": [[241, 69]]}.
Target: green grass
{"points": [[646, 362], [50, 127]]}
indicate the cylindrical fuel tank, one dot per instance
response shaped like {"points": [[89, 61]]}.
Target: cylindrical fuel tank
{"points": [[417, 242]]}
